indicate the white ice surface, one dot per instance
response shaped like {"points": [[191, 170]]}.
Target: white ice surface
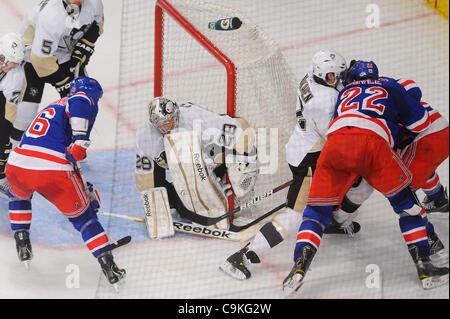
{"points": [[414, 46]]}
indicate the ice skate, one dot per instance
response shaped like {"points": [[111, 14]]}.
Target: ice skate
{"points": [[23, 247], [294, 280], [238, 264], [439, 205], [111, 271], [438, 255], [429, 275]]}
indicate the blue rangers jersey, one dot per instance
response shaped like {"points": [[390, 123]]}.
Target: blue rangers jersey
{"points": [[44, 143], [380, 106]]}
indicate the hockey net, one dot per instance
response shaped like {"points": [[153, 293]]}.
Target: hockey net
{"points": [[238, 72]]}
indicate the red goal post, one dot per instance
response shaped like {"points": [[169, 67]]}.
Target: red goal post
{"points": [[165, 6]]}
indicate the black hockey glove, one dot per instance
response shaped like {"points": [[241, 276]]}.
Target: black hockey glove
{"points": [[84, 48], [63, 87]]}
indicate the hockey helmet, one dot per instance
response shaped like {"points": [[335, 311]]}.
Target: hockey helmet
{"points": [[87, 85], [164, 114], [12, 49], [325, 62], [361, 70]]}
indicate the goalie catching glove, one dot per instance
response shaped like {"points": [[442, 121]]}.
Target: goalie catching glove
{"points": [[243, 171]]}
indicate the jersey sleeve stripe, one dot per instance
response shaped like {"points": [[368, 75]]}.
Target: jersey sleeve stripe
{"points": [[420, 125]]}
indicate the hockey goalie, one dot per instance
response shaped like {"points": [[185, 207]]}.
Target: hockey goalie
{"points": [[191, 160]]}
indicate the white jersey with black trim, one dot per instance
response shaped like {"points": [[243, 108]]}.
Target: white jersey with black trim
{"points": [[193, 117], [57, 30], [11, 84], [315, 108]]}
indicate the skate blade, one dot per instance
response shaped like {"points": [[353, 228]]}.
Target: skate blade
{"points": [[434, 282], [232, 271], [293, 285], [116, 287], [27, 264]]}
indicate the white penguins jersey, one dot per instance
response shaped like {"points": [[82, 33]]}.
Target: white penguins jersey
{"points": [[150, 141], [51, 29], [315, 109], [11, 84]]}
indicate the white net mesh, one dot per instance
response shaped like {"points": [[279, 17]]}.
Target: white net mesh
{"points": [[186, 266], [265, 90]]}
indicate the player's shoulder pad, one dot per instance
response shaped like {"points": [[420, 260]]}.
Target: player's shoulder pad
{"points": [[53, 16], [391, 85]]}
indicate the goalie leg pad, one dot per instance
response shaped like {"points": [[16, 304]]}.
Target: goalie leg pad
{"points": [[158, 218], [191, 181]]}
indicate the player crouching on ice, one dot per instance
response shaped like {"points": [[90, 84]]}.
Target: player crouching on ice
{"points": [[362, 135], [43, 163], [183, 155]]}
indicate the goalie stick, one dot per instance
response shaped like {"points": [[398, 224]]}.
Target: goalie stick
{"points": [[236, 233], [208, 221]]}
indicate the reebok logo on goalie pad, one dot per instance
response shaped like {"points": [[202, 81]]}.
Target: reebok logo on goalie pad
{"points": [[199, 167], [148, 209], [202, 230]]}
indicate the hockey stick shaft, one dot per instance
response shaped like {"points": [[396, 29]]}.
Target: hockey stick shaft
{"points": [[257, 220], [208, 221]]}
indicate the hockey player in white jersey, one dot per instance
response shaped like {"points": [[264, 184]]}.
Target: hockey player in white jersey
{"points": [[12, 53], [60, 37], [317, 96], [183, 155]]}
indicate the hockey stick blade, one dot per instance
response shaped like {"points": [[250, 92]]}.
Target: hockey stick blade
{"points": [[119, 243]]}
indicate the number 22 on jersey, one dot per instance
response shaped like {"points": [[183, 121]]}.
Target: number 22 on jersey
{"points": [[356, 98], [40, 125]]}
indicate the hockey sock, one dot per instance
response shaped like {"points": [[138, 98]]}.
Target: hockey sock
{"points": [[265, 239], [414, 233], [402, 200], [284, 224], [309, 234], [428, 225], [435, 193], [92, 232], [20, 214]]}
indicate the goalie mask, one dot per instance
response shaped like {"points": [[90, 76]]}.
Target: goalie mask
{"points": [[164, 114]]}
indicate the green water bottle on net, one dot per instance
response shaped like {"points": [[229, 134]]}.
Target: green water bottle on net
{"points": [[227, 24]]}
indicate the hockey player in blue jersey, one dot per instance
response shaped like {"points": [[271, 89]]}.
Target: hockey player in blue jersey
{"points": [[362, 135], [43, 162]]}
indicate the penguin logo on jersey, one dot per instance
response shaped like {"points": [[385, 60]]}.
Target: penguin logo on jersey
{"points": [[161, 160]]}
